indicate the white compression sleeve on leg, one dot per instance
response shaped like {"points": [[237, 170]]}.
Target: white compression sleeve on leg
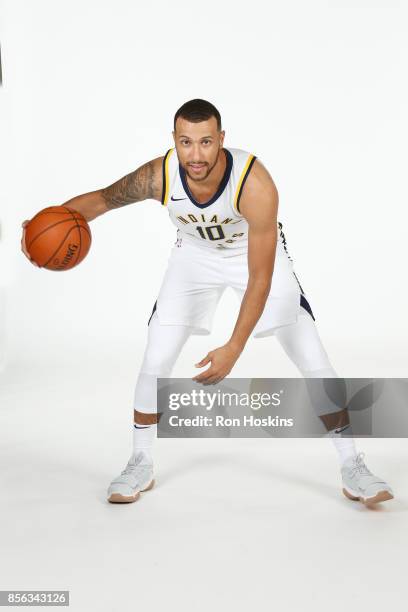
{"points": [[302, 343], [164, 345]]}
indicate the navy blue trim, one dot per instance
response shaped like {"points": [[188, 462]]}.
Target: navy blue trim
{"points": [[154, 308], [141, 427], [244, 179], [300, 286], [221, 186], [285, 247], [164, 175], [305, 304]]}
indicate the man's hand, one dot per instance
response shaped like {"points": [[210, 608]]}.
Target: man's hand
{"points": [[23, 244], [222, 361]]}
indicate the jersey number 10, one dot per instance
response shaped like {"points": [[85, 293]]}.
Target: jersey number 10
{"points": [[210, 234]]}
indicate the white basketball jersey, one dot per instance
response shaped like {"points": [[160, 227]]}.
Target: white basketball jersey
{"points": [[216, 224]]}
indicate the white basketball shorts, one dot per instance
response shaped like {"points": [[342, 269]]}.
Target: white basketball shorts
{"points": [[196, 278]]}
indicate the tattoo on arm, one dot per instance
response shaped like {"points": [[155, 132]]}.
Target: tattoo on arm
{"points": [[134, 187]]}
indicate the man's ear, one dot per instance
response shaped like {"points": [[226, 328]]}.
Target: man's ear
{"points": [[222, 134], [174, 136]]}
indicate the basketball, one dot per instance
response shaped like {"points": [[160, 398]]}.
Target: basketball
{"points": [[58, 238]]}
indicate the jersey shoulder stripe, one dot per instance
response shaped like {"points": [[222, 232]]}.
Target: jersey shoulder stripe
{"points": [[244, 175], [166, 178]]}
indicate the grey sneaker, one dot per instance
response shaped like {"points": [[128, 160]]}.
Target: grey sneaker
{"points": [[360, 484], [135, 478]]}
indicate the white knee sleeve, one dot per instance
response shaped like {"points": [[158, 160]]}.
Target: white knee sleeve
{"points": [[301, 342], [164, 345]]}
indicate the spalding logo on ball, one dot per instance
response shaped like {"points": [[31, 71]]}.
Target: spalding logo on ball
{"points": [[58, 238]]}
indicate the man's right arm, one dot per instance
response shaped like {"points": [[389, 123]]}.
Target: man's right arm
{"points": [[143, 184]]}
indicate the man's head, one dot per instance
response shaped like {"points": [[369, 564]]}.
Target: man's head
{"points": [[198, 137]]}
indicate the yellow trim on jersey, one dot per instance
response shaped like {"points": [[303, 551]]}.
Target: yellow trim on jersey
{"points": [[242, 178], [166, 182]]}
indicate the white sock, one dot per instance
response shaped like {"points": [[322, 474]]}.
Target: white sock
{"points": [[143, 436], [345, 446]]}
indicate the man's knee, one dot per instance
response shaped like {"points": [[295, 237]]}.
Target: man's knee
{"points": [[322, 372], [157, 363]]}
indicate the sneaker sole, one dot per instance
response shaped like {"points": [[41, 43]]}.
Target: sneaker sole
{"points": [[117, 498], [381, 496]]}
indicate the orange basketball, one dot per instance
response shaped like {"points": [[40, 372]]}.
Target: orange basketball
{"points": [[58, 238]]}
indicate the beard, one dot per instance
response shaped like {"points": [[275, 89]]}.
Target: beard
{"points": [[206, 174]]}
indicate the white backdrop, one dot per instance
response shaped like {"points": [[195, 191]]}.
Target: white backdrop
{"points": [[317, 90]]}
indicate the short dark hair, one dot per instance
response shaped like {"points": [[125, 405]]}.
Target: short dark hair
{"points": [[198, 110]]}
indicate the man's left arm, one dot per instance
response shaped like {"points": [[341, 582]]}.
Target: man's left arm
{"points": [[259, 205]]}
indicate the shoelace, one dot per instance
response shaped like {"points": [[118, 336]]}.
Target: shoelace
{"points": [[128, 469], [132, 466], [360, 466]]}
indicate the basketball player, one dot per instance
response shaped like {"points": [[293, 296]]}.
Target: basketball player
{"points": [[224, 204]]}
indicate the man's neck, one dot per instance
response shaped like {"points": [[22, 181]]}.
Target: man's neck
{"points": [[204, 190]]}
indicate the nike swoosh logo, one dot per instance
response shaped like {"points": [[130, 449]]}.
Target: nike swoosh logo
{"points": [[177, 199], [342, 429]]}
